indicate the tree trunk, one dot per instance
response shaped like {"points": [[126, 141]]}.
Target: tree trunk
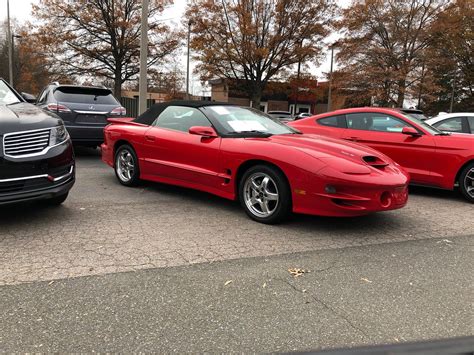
{"points": [[118, 82], [401, 92], [256, 96]]}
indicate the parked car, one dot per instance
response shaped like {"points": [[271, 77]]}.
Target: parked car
{"points": [[432, 157], [303, 115], [84, 110], [241, 153], [462, 122], [36, 154], [28, 97], [415, 113], [284, 116]]}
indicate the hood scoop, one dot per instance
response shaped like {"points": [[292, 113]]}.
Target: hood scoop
{"points": [[374, 161]]}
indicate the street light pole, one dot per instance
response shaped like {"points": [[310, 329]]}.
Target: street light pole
{"points": [[143, 85], [187, 59], [9, 40], [330, 79]]}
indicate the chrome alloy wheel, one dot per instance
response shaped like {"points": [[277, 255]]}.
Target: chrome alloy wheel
{"points": [[125, 165], [261, 195], [469, 182]]}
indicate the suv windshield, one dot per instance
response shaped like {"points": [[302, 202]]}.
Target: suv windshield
{"points": [[7, 96], [82, 95], [234, 119]]}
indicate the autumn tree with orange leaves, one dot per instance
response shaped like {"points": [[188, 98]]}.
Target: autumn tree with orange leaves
{"points": [[30, 67], [101, 38], [385, 46], [255, 40], [450, 61]]}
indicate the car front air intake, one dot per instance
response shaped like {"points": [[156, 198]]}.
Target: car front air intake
{"points": [[374, 161]]}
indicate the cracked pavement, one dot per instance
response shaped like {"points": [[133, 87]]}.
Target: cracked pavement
{"points": [[104, 228], [373, 294]]}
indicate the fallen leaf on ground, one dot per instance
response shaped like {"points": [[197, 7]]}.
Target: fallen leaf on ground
{"points": [[297, 272], [447, 241], [264, 285], [366, 280], [228, 282]]}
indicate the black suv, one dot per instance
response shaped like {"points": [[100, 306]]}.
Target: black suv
{"points": [[84, 110], [36, 153]]}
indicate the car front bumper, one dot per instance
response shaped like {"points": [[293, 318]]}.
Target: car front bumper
{"points": [[36, 178], [342, 195]]}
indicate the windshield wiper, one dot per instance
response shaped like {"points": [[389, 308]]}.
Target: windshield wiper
{"points": [[443, 134], [252, 132]]}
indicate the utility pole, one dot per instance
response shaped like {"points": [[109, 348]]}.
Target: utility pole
{"points": [[330, 79], [9, 40], [187, 63], [13, 54], [298, 73], [143, 83], [421, 84], [452, 93]]}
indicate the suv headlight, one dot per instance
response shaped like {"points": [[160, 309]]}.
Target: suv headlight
{"points": [[58, 135]]}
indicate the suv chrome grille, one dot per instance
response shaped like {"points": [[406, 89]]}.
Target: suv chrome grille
{"points": [[26, 143]]}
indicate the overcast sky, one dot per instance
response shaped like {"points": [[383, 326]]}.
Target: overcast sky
{"points": [[21, 10]]}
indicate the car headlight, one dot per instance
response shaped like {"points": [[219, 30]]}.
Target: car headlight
{"points": [[58, 135]]}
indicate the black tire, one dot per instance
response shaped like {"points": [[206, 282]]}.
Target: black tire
{"points": [[57, 201], [124, 178], [277, 210], [466, 182]]}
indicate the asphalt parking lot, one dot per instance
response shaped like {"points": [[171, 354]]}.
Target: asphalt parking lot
{"points": [[105, 228], [127, 269]]}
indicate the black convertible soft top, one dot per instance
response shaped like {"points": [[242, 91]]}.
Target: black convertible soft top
{"points": [[154, 111]]}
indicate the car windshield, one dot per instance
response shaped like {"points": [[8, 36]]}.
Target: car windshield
{"points": [[7, 96], [423, 124], [235, 119]]}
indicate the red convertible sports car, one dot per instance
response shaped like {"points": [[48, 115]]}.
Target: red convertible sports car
{"points": [[433, 158], [240, 153]]}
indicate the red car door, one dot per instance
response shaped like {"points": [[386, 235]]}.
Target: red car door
{"points": [[173, 153], [383, 132]]}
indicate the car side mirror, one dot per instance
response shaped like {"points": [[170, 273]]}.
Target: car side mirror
{"points": [[207, 132], [410, 131], [28, 97]]}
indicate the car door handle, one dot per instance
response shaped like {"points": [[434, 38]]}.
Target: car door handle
{"points": [[149, 138], [355, 139]]}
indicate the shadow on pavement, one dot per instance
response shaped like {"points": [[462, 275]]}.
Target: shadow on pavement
{"points": [[441, 194], [86, 152]]}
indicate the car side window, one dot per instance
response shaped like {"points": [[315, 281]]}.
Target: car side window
{"points": [[373, 121], [471, 123], [450, 125], [42, 96], [181, 118], [333, 121]]}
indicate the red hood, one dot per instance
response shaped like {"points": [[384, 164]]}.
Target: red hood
{"points": [[322, 147]]}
